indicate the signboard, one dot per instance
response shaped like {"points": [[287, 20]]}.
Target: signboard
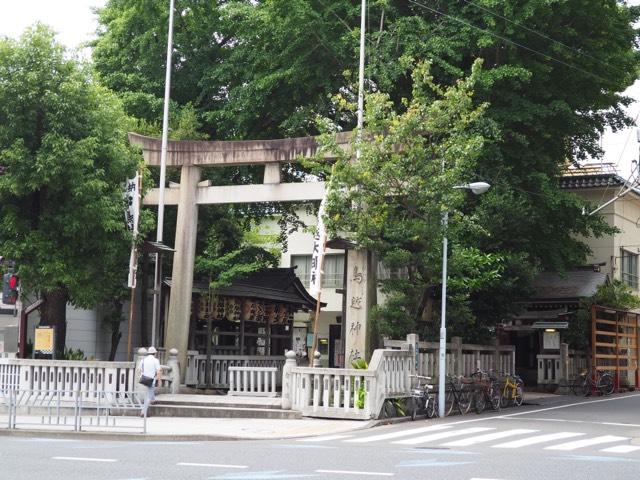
{"points": [[551, 340], [44, 342]]}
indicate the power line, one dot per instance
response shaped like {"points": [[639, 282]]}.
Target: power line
{"points": [[508, 40], [541, 35]]}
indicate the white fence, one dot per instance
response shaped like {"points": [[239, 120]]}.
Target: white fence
{"points": [[217, 375], [461, 358], [252, 381], [348, 392]]}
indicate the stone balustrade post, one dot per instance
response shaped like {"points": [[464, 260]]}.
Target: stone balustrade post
{"points": [[563, 374], [316, 359], [174, 374], [138, 388], [456, 351], [413, 341], [289, 363], [496, 355]]}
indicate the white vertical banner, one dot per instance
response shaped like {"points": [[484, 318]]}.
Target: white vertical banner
{"points": [[319, 240], [132, 215]]}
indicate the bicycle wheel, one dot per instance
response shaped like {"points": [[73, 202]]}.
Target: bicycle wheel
{"points": [[506, 396], [414, 406], [449, 400], [586, 386], [519, 397], [606, 384], [479, 401], [464, 400], [431, 407], [494, 396]]}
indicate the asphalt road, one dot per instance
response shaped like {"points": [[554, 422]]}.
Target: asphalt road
{"points": [[585, 438]]}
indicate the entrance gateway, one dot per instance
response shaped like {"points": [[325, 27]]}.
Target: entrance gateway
{"points": [[191, 157]]}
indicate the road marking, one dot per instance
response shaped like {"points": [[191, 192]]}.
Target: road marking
{"points": [[487, 437], [215, 465], [549, 437], [85, 459], [621, 449], [351, 472], [498, 416], [441, 435], [478, 478], [326, 438], [586, 442], [561, 420], [402, 433]]}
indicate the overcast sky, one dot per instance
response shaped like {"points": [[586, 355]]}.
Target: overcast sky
{"points": [[75, 23]]}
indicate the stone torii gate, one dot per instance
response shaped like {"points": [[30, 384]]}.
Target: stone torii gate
{"points": [[191, 157]]}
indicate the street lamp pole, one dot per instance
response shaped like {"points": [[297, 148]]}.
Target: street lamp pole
{"points": [[163, 168], [477, 188]]}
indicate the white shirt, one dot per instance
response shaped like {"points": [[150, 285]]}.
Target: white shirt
{"points": [[150, 366]]}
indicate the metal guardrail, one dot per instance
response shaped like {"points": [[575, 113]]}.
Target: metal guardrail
{"points": [[72, 410]]}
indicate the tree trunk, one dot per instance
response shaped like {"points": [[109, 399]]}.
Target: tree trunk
{"points": [[115, 319], [53, 313]]}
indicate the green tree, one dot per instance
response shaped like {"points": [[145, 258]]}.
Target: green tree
{"points": [[553, 70], [615, 294], [393, 198], [65, 155]]}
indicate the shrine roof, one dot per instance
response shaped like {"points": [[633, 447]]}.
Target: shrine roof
{"points": [[275, 284], [569, 287]]}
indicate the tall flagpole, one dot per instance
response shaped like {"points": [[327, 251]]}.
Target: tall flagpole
{"points": [[361, 74], [163, 170]]}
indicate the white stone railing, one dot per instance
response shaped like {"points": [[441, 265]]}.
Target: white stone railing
{"points": [[347, 392], [461, 358], [217, 376], [252, 381], [88, 377], [68, 376]]}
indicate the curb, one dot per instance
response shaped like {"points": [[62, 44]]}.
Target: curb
{"points": [[150, 437], [109, 436]]}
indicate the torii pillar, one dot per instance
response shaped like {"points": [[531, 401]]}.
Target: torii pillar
{"points": [[190, 157]]}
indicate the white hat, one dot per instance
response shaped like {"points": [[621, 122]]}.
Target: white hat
{"points": [[152, 351]]}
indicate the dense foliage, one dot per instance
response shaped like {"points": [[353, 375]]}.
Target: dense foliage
{"points": [[615, 294], [65, 155], [550, 82]]}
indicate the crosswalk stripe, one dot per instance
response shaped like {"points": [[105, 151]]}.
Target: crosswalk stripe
{"points": [[549, 437], [587, 442], [488, 437], [621, 449], [402, 433], [441, 435], [325, 438]]}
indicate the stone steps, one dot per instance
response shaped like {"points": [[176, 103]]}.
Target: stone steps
{"points": [[217, 411]]}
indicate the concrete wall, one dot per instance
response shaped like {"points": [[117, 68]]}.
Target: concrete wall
{"points": [[623, 214]]}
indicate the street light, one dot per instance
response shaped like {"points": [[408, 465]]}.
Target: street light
{"points": [[477, 188]]}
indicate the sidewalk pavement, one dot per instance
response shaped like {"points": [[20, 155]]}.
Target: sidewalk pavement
{"points": [[210, 429]]}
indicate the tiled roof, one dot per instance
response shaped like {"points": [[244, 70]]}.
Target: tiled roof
{"points": [[572, 285], [275, 284], [591, 181]]}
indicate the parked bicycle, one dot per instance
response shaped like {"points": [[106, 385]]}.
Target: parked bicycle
{"points": [[587, 383], [459, 394], [485, 391], [511, 390], [423, 402]]}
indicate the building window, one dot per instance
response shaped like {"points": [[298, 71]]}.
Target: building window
{"points": [[630, 268], [332, 268]]}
